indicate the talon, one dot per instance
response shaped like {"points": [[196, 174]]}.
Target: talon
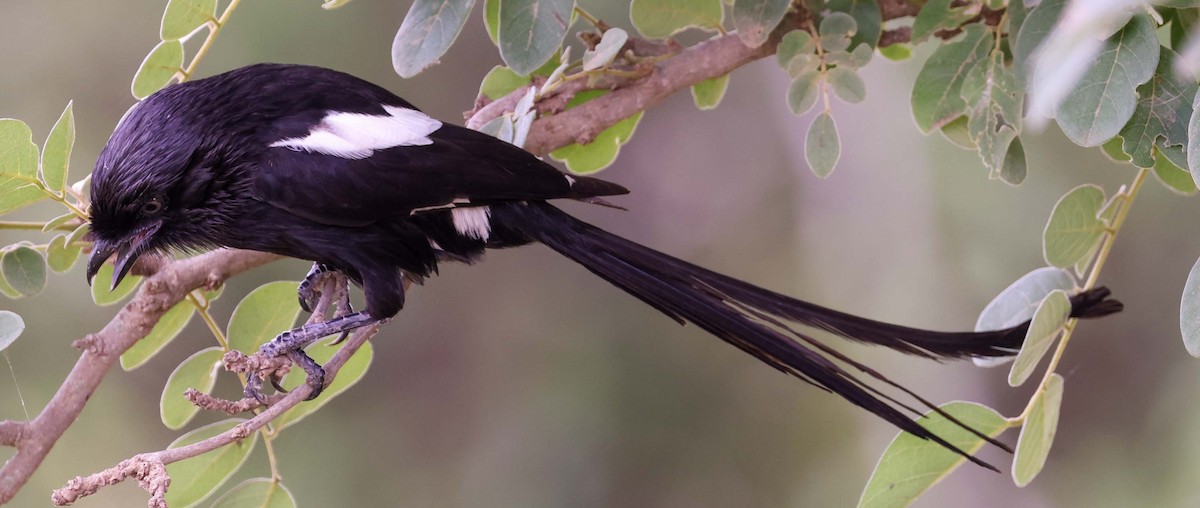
{"points": [[303, 302], [253, 389], [316, 374], [275, 382], [340, 338], [307, 291]]}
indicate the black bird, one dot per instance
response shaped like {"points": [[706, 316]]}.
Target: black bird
{"points": [[319, 165]]}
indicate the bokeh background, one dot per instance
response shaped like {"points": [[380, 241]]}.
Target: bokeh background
{"points": [[526, 382]]}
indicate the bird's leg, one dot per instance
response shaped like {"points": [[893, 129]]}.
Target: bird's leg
{"points": [[293, 342], [309, 291]]}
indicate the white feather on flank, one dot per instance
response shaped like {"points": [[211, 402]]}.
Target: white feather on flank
{"points": [[358, 135], [474, 222]]}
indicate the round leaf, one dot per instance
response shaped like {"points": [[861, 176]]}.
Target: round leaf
{"points": [[501, 81], [56, 153], [194, 479], [159, 67], [795, 42], [25, 270], [11, 326], [18, 166], [531, 31], [1038, 433], [867, 17], [898, 52], [1175, 178], [911, 465], [756, 19], [59, 255], [351, 372], [1047, 321], [168, 327], [100, 293], [199, 371], [426, 33], [822, 147], [491, 19], [708, 93], [803, 92], [663, 18], [1189, 312], [1017, 303], [257, 493], [847, 84], [1074, 228], [182, 17], [267, 311]]}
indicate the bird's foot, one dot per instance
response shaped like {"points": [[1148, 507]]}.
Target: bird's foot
{"points": [[292, 343], [309, 290]]}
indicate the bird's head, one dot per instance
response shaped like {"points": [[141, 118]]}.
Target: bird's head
{"points": [[161, 182]]}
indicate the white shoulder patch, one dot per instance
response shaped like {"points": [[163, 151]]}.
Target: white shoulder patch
{"points": [[473, 222], [358, 135]]}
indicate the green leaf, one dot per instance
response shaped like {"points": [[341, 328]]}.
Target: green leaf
{"points": [[56, 153], [160, 66], [8, 290], [257, 493], [1166, 168], [850, 60], [25, 270], [803, 92], [1162, 113], [755, 19], [531, 31], [267, 311], [165, 330], [198, 371], [1189, 312], [57, 222], [501, 81], [1038, 433], [182, 17], [1112, 150], [956, 132], [847, 85], [1014, 168], [1193, 141], [658, 19], [491, 19], [1038, 24], [1017, 303], [821, 146], [867, 17], [351, 372], [100, 293], [500, 128], [911, 465], [939, 15], [79, 233], [1074, 227], [11, 326], [835, 32], [330, 5], [18, 166], [194, 479], [426, 33], [897, 52], [60, 256], [602, 151], [795, 42], [606, 50], [707, 94], [937, 93], [1047, 322], [995, 115], [1102, 101]]}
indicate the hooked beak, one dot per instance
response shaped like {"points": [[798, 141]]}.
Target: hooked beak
{"points": [[128, 249]]}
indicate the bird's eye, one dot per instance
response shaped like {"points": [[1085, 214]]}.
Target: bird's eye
{"points": [[152, 207]]}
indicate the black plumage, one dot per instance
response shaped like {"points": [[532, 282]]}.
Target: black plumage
{"points": [[320, 165]]}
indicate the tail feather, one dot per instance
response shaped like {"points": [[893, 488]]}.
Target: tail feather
{"points": [[753, 319]]}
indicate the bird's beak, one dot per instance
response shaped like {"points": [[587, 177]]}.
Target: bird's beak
{"points": [[128, 249]]}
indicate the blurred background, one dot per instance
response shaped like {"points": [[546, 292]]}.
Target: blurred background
{"points": [[524, 381]]}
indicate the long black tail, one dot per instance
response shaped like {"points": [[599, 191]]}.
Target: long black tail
{"points": [[755, 320]]}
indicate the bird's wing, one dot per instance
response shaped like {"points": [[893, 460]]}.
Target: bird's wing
{"points": [[356, 168]]}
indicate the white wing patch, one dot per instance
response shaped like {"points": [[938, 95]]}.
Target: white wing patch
{"points": [[473, 222], [358, 135]]}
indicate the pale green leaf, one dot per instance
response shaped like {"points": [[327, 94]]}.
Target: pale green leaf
{"points": [[1038, 24], [182, 17], [351, 372], [165, 330], [936, 97], [58, 222], [267, 311], [11, 326], [658, 19], [995, 112], [1014, 168], [1189, 312], [956, 132], [531, 31], [501, 81], [60, 256], [198, 371], [847, 85], [602, 151], [755, 19], [835, 31], [1019, 300], [427, 31], [1161, 116], [850, 60], [160, 66], [803, 92], [491, 19], [1166, 168], [1038, 433], [8, 290], [795, 42], [606, 50], [500, 128], [56, 153], [822, 148], [708, 93], [1074, 227], [18, 166], [1047, 322], [1112, 150], [1193, 141], [257, 493], [25, 270], [1102, 101], [867, 18], [330, 5], [939, 15], [100, 293], [196, 478], [911, 465]]}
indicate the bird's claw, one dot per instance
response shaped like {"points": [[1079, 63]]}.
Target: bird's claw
{"points": [[315, 373], [309, 291], [253, 389]]}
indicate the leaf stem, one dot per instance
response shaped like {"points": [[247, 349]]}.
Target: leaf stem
{"points": [[267, 437], [30, 225], [212, 35]]}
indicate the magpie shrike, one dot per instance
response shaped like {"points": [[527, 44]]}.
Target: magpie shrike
{"points": [[315, 164]]}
